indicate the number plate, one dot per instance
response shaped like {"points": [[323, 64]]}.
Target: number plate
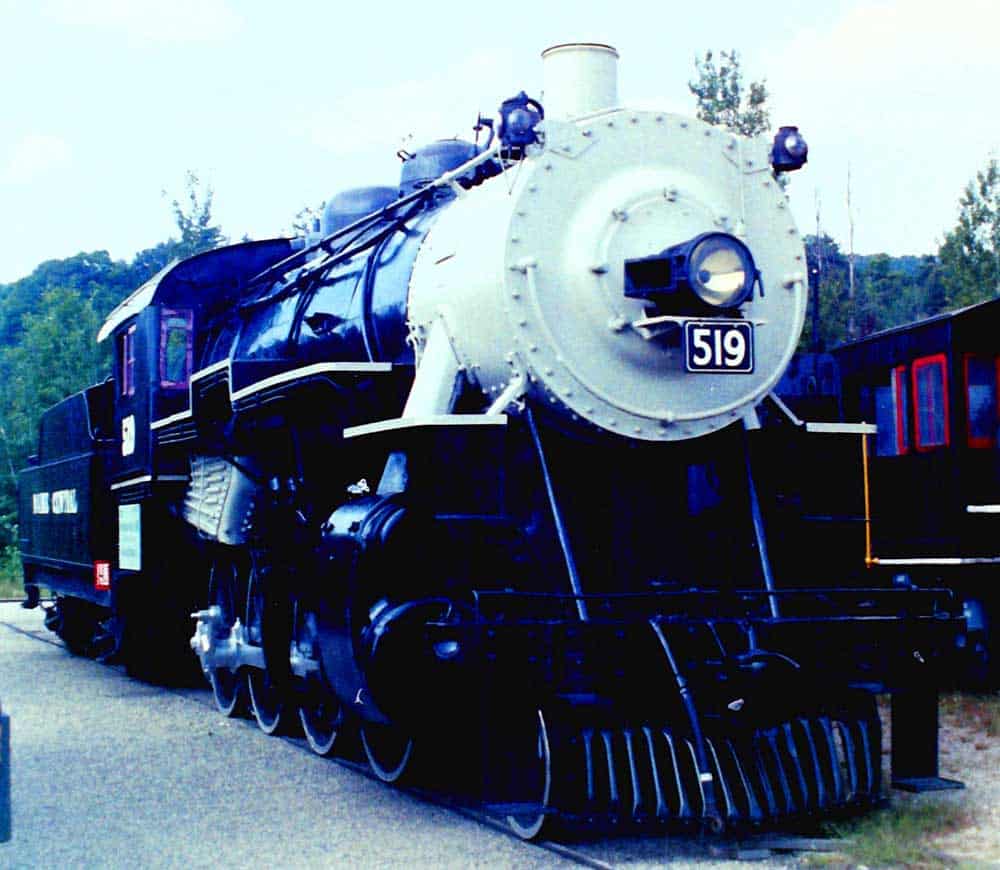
{"points": [[718, 347]]}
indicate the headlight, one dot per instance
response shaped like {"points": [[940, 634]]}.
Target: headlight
{"points": [[721, 271], [710, 271]]}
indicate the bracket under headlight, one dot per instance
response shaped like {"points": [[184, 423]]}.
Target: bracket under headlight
{"points": [[711, 272]]}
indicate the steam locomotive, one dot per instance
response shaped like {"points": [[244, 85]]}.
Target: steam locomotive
{"points": [[472, 467]]}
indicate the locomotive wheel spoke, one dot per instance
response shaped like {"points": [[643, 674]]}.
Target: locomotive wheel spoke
{"points": [[389, 750], [267, 699], [227, 690], [224, 593], [538, 775], [320, 712], [321, 717]]}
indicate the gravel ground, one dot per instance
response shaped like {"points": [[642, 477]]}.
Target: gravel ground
{"points": [[968, 754], [105, 778], [110, 772]]}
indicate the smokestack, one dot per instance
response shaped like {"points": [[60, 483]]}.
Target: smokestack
{"points": [[580, 78]]}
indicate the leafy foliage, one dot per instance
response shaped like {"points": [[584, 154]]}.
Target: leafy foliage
{"points": [[195, 220], [889, 291], [970, 254], [48, 323], [56, 356], [306, 217], [10, 573], [722, 98]]}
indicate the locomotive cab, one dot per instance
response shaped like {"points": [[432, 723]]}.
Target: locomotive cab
{"points": [[152, 368]]}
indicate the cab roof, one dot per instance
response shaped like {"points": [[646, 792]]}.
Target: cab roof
{"points": [[211, 280]]}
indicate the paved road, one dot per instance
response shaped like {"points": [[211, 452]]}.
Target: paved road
{"points": [[109, 772]]}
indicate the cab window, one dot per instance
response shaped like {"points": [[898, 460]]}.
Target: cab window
{"points": [[126, 361], [930, 402], [892, 413], [981, 399], [175, 348]]}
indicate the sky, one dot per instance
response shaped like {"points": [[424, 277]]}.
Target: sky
{"points": [[105, 104]]}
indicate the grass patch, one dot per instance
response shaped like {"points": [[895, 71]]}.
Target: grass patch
{"points": [[11, 584], [899, 835]]}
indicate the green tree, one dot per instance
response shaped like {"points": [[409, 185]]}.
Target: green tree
{"points": [[970, 253], [930, 280], [889, 291], [92, 275], [827, 269], [722, 98], [50, 318], [883, 296], [55, 356], [306, 217], [194, 219]]}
